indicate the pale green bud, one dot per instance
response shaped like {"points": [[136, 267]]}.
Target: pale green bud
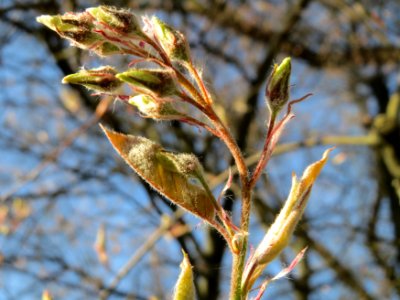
{"points": [[156, 82], [101, 79], [184, 288], [119, 20], [153, 108], [107, 48], [278, 89], [75, 27], [172, 41]]}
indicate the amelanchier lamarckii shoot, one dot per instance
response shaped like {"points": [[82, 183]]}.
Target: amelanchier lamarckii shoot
{"points": [[170, 83]]}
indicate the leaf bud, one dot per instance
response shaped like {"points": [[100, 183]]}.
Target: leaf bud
{"points": [[75, 27], [107, 48], [184, 288], [155, 82], [102, 79], [277, 92], [172, 41], [119, 20], [155, 108]]}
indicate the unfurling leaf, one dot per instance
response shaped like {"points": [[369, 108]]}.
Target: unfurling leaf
{"points": [[184, 288], [280, 232], [176, 176]]}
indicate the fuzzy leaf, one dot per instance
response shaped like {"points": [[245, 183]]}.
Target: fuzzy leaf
{"points": [[164, 173]]}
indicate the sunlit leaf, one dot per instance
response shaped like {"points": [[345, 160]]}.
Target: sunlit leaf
{"points": [[281, 231], [176, 176]]}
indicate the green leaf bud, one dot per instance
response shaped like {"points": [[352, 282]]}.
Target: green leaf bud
{"points": [[107, 48], [119, 20], [184, 288], [101, 79], [155, 82], [277, 92], [172, 41], [155, 108], [75, 27]]}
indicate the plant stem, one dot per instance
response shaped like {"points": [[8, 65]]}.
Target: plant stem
{"points": [[263, 158], [199, 82], [240, 258]]}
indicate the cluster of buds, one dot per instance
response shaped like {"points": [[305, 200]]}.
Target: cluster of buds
{"points": [[107, 30], [104, 30]]}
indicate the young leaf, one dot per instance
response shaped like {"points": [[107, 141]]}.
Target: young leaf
{"points": [[184, 288], [280, 232], [165, 173]]}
